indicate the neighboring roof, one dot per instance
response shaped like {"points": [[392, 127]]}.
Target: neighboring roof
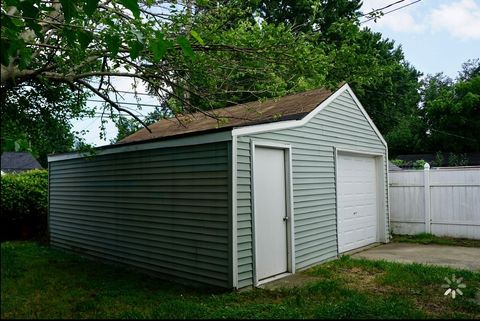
{"points": [[19, 161], [393, 167], [291, 107]]}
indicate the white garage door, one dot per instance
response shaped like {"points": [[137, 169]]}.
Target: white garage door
{"points": [[357, 202]]}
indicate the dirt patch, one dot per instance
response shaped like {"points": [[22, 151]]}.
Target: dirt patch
{"points": [[291, 281], [364, 280], [431, 302]]}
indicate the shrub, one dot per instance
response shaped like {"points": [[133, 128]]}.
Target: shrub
{"points": [[398, 162], [458, 159], [419, 164], [24, 206]]}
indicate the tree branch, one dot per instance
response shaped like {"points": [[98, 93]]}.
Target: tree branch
{"points": [[111, 102]]}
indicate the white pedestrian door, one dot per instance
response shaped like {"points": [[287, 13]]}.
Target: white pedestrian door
{"points": [[357, 202], [270, 212]]}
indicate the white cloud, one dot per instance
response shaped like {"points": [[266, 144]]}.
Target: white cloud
{"points": [[403, 20], [461, 19]]}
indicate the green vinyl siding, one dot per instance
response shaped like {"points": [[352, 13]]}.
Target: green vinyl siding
{"points": [[341, 124], [162, 210]]}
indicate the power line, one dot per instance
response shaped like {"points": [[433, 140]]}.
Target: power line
{"points": [[124, 103], [135, 93], [454, 135], [387, 6], [364, 21]]}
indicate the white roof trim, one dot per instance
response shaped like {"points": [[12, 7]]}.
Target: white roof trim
{"points": [[174, 142], [255, 129]]}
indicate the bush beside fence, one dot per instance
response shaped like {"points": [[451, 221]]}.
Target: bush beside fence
{"points": [[24, 206]]}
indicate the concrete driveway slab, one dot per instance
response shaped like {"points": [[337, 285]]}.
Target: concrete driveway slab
{"points": [[452, 256]]}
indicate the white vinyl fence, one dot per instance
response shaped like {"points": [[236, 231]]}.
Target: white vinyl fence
{"points": [[441, 201]]}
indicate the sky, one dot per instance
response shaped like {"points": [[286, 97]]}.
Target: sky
{"points": [[435, 35]]}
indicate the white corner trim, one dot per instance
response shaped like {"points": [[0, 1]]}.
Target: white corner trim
{"points": [[252, 207], [173, 142], [234, 214], [291, 212], [387, 232], [335, 162]]}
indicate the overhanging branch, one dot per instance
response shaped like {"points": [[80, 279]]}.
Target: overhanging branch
{"points": [[111, 102]]}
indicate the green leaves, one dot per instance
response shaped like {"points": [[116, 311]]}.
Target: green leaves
{"points": [[197, 37], [85, 38], [185, 45], [31, 13], [132, 5], [69, 9], [159, 46], [113, 43], [91, 7], [24, 195], [135, 48]]}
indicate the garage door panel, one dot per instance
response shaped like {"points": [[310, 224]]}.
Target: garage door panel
{"points": [[357, 201]]}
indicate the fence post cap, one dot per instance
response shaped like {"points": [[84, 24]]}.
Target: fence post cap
{"points": [[426, 166]]}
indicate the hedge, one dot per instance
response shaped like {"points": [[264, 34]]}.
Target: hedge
{"points": [[24, 206]]}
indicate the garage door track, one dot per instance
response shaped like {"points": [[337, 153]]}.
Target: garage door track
{"points": [[452, 256]]}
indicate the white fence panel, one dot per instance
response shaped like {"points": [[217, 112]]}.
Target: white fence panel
{"points": [[452, 207]]}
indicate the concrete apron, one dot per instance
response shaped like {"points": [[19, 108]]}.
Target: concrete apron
{"points": [[451, 256], [459, 257]]}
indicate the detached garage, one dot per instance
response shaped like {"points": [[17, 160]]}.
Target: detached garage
{"points": [[260, 191]]}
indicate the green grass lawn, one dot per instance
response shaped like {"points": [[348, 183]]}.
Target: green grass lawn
{"points": [[426, 238], [39, 282]]}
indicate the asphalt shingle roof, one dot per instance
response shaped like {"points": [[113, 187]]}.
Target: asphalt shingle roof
{"points": [[291, 107], [19, 161]]}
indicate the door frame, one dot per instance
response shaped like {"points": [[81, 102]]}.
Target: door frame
{"points": [[287, 148], [380, 169]]}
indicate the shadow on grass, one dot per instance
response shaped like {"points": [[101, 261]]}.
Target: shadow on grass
{"points": [[40, 282]]}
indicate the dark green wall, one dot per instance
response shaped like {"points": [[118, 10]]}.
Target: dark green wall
{"points": [[162, 210]]}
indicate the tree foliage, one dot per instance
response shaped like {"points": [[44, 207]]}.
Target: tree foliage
{"points": [[36, 117], [88, 44], [451, 112], [323, 46], [377, 71], [447, 117], [196, 56], [305, 15]]}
